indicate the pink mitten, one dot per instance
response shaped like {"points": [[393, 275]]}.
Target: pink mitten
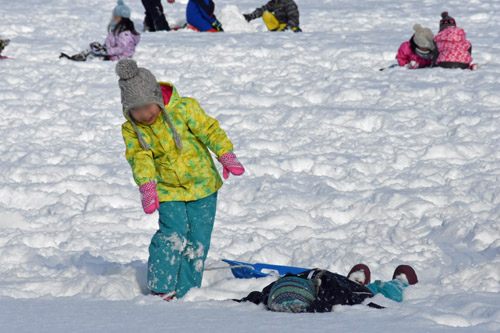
{"points": [[149, 197], [231, 165]]}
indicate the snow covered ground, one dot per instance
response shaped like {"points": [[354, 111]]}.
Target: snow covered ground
{"points": [[345, 164]]}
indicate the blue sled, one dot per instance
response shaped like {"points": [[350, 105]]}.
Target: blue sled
{"points": [[244, 270]]}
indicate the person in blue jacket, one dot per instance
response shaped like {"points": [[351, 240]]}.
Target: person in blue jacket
{"points": [[200, 16]]}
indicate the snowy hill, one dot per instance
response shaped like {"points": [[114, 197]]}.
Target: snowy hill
{"points": [[345, 164]]}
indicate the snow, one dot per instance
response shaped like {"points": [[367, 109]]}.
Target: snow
{"points": [[345, 164]]}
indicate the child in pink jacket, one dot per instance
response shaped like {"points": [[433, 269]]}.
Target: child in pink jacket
{"points": [[417, 52], [453, 49]]}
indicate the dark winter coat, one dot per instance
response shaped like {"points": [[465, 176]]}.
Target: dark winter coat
{"points": [[200, 14], [286, 11], [333, 289]]}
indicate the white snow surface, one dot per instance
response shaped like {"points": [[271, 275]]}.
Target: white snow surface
{"points": [[345, 164]]}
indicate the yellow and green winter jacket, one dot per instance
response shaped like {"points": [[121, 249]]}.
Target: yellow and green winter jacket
{"points": [[182, 175]]}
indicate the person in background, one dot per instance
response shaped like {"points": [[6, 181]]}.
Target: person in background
{"points": [[453, 50], [278, 15], [155, 19], [3, 45], [200, 16], [120, 43], [319, 290], [418, 51]]}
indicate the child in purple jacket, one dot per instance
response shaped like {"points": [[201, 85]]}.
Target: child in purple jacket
{"points": [[121, 41]]}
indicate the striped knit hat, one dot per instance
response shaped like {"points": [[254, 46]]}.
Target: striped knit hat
{"points": [[446, 21], [291, 294]]}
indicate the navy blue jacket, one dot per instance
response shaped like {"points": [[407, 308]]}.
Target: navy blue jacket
{"points": [[200, 14]]}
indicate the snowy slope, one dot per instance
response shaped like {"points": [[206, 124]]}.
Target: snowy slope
{"points": [[345, 164]]}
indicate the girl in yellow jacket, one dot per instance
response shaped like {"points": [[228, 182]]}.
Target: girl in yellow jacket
{"points": [[167, 138]]}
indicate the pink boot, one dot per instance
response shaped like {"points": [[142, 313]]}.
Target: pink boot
{"points": [[473, 67], [167, 297]]}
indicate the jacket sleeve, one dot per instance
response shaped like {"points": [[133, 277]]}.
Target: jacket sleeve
{"points": [[120, 44], [207, 129], [141, 161], [402, 56], [292, 12], [269, 7], [392, 289]]}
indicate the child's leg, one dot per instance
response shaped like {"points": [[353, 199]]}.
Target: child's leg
{"points": [[154, 9], [149, 25], [272, 22], [392, 289], [201, 215], [167, 246]]}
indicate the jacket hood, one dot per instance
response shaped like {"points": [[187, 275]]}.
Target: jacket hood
{"points": [[452, 34]]}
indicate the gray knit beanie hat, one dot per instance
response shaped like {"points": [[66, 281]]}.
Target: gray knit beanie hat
{"points": [[139, 87], [424, 38]]}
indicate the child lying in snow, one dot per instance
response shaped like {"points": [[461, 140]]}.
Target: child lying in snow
{"points": [[417, 52], [278, 15], [3, 45], [453, 49], [120, 42], [167, 138], [319, 290]]}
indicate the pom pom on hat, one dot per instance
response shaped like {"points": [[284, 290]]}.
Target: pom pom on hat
{"points": [[443, 14], [127, 69], [417, 27]]}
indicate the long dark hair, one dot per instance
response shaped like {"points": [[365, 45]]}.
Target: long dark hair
{"points": [[125, 24]]}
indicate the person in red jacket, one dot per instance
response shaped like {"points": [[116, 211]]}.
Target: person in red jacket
{"points": [[417, 52], [453, 49]]}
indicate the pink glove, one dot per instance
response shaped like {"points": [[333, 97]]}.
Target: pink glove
{"points": [[231, 165], [149, 197]]}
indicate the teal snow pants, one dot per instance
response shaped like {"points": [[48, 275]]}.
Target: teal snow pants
{"points": [[179, 248]]}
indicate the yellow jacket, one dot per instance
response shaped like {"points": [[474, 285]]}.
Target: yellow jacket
{"points": [[182, 175]]}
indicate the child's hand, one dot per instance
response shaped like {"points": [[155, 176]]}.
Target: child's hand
{"points": [[413, 65], [231, 165], [149, 197]]}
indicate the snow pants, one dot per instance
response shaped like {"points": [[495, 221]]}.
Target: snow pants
{"points": [[179, 248], [155, 18], [392, 289], [272, 22]]}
